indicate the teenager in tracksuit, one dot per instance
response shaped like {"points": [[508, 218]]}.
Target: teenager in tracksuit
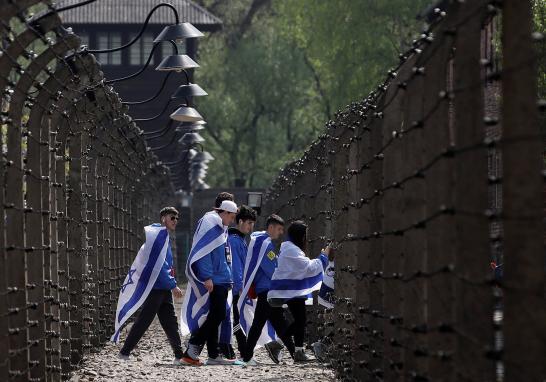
{"points": [[264, 311], [215, 269], [160, 300], [245, 220]]}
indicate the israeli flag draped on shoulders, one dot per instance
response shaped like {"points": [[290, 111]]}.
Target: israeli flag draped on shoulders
{"points": [[142, 275], [210, 234], [257, 248], [326, 292], [296, 275]]}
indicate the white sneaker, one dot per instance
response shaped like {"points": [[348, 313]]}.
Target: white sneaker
{"points": [[252, 362], [219, 361], [124, 357], [176, 361]]}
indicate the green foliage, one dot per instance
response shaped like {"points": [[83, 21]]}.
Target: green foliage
{"points": [[350, 44], [279, 70]]}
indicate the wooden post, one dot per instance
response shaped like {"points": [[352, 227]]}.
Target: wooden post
{"points": [[62, 255], [93, 227], [75, 240], [393, 246], [346, 286], [523, 197], [15, 244], [414, 252], [374, 178], [35, 250], [474, 303], [439, 183], [102, 247], [367, 343], [4, 300], [55, 346]]}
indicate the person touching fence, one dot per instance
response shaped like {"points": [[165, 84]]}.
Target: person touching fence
{"points": [[292, 283]]}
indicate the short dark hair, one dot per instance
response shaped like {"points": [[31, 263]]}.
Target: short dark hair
{"points": [[246, 213], [274, 219], [168, 211], [297, 234], [221, 197]]}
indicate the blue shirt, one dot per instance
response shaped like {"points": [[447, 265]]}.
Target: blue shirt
{"points": [[262, 280], [165, 280], [237, 243], [215, 266]]}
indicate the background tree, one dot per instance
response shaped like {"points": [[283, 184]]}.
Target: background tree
{"points": [[279, 69]]}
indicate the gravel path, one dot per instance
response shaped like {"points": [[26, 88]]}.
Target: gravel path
{"points": [[152, 361]]}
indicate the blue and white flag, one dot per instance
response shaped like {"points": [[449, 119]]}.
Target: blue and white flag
{"points": [[259, 242], [326, 292], [210, 234], [296, 275], [142, 275]]}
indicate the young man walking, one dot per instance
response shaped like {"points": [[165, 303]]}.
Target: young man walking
{"points": [[245, 220], [150, 284], [209, 281]]}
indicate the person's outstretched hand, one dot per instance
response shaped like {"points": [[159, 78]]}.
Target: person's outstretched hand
{"points": [[177, 293], [329, 251], [209, 285]]}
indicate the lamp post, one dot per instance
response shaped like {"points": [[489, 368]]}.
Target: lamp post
{"points": [[192, 121], [185, 198], [254, 201]]}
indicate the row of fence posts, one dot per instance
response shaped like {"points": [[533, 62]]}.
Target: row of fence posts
{"points": [[78, 185], [405, 186]]}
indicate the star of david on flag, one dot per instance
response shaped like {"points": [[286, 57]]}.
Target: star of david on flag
{"points": [[129, 281]]}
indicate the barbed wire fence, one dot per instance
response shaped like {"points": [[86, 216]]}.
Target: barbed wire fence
{"points": [[435, 174], [78, 185]]}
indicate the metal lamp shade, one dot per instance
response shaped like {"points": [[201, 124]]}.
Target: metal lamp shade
{"points": [[178, 32], [190, 90], [191, 138], [190, 128], [192, 153], [200, 185], [176, 62], [195, 179], [186, 114], [203, 157], [201, 174], [199, 165]]}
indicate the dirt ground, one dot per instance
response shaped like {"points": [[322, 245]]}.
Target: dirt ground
{"points": [[152, 361]]}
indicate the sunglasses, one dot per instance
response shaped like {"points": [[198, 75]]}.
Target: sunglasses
{"points": [[174, 218]]}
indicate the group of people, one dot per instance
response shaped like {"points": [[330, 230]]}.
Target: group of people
{"points": [[238, 286]]}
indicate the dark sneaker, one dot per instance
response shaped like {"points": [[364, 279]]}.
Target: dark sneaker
{"points": [[301, 357], [220, 360], [274, 350], [319, 351]]}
